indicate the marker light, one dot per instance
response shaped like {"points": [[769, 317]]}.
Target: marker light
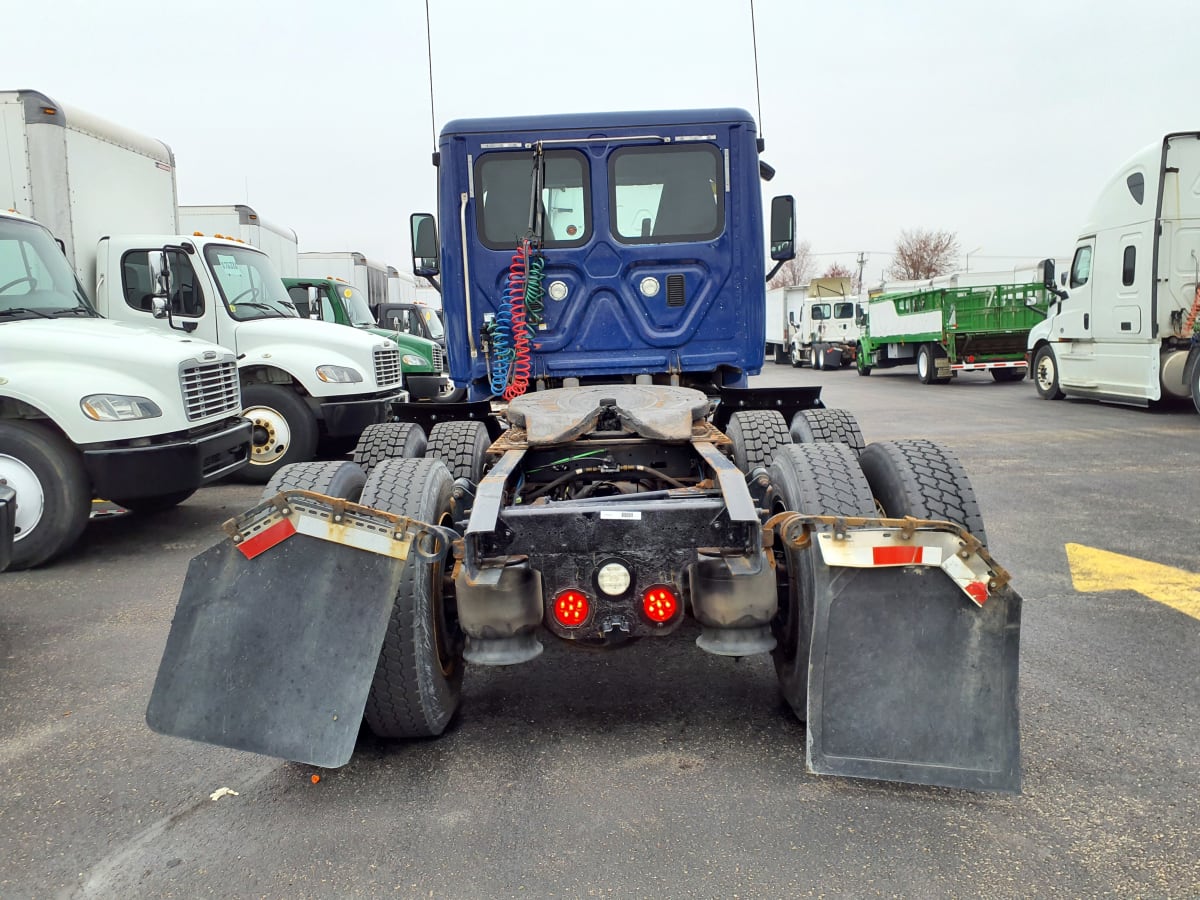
{"points": [[557, 290], [660, 604], [571, 608], [613, 578]]}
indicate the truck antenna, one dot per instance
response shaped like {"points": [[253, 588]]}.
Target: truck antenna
{"points": [[429, 58], [757, 91]]}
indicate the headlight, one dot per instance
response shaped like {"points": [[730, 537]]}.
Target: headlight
{"points": [[118, 408], [418, 362], [338, 374]]}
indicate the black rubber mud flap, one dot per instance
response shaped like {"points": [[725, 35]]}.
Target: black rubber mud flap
{"points": [[911, 681], [8, 524], [275, 654]]}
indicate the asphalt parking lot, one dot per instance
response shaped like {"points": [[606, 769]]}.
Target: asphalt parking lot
{"points": [[656, 771]]}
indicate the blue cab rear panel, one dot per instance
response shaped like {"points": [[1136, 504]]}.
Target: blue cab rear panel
{"points": [[653, 242]]}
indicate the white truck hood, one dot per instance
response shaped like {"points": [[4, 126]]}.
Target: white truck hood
{"points": [[52, 364], [299, 346]]}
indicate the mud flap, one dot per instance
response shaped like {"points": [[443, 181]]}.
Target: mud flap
{"points": [[911, 681], [275, 654]]}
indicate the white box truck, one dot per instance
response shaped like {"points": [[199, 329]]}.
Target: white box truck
{"points": [[111, 194], [91, 408], [369, 276], [1125, 329], [243, 223]]}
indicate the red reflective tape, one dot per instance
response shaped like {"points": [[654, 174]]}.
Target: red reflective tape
{"points": [[977, 591], [265, 540], [898, 556]]}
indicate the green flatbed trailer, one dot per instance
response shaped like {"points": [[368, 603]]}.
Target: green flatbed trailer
{"points": [[944, 331]]}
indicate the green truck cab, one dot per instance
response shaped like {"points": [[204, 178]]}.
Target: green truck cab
{"points": [[338, 301]]}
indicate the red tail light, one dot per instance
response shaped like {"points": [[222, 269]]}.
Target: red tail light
{"points": [[660, 603], [571, 608]]}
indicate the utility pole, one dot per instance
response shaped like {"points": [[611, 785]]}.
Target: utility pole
{"points": [[862, 264]]}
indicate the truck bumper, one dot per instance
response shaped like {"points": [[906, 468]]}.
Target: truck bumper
{"points": [[182, 463], [424, 387], [348, 418]]}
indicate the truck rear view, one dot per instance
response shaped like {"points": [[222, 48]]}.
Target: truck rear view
{"points": [[611, 479]]}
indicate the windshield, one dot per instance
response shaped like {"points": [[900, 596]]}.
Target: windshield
{"points": [[249, 284], [36, 280], [434, 323], [357, 308]]}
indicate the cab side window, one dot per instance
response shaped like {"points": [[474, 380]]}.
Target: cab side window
{"points": [[186, 298], [1081, 267], [299, 297]]}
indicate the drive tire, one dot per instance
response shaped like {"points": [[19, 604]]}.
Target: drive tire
{"points": [[797, 358], [147, 506], [389, 440], [827, 426], [756, 435], [417, 687], [54, 498], [285, 430], [922, 479], [817, 479], [340, 479], [1045, 374], [462, 446]]}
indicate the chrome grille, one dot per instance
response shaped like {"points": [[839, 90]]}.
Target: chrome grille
{"points": [[387, 366], [210, 389], [439, 359]]}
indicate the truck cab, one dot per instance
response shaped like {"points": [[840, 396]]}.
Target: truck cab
{"points": [[338, 301], [91, 408], [302, 380], [648, 273], [1124, 328]]}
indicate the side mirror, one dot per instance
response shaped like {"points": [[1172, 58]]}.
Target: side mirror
{"points": [[424, 245], [792, 316], [160, 274], [1062, 279], [158, 307], [1048, 274], [783, 228]]}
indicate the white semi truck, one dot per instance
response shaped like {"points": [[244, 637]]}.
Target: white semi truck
{"points": [[91, 408], [243, 223], [1125, 329], [109, 194]]}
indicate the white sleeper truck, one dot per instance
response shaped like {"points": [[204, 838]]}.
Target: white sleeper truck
{"points": [[1125, 329], [91, 408], [109, 194]]}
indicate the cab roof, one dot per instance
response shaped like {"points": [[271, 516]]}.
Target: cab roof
{"points": [[573, 121]]}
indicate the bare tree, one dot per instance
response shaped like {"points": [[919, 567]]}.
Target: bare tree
{"points": [[798, 270], [837, 270], [923, 253]]}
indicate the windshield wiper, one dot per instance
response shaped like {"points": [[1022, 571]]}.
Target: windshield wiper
{"points": [[73, 311], [22, 311], [271, 309]]}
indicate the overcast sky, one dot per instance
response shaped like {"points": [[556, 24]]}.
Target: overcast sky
{"points": [[998, 121]]}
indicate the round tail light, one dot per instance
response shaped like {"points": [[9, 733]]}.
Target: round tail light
{"points": [[660, 603], [571, 608]]}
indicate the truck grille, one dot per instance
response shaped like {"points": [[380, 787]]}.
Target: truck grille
{"points": [[387, 366], [210, 389], [439, 359]]}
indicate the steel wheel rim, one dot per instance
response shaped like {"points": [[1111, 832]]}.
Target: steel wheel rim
{"points": [[923, 363], [445, 617], [31, 499], [1045, 372], [272, 437]]}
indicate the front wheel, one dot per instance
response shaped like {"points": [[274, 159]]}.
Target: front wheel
{"points": [[1045, 374], [797, 358], [861, 362], [53, 496], [417, 686], [1194, 382], [285, 430]]}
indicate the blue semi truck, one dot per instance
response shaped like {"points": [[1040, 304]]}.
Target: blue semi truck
{"points": [[610, 477]]}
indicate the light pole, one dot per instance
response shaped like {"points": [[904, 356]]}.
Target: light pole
{"points": [[968, 263]]}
